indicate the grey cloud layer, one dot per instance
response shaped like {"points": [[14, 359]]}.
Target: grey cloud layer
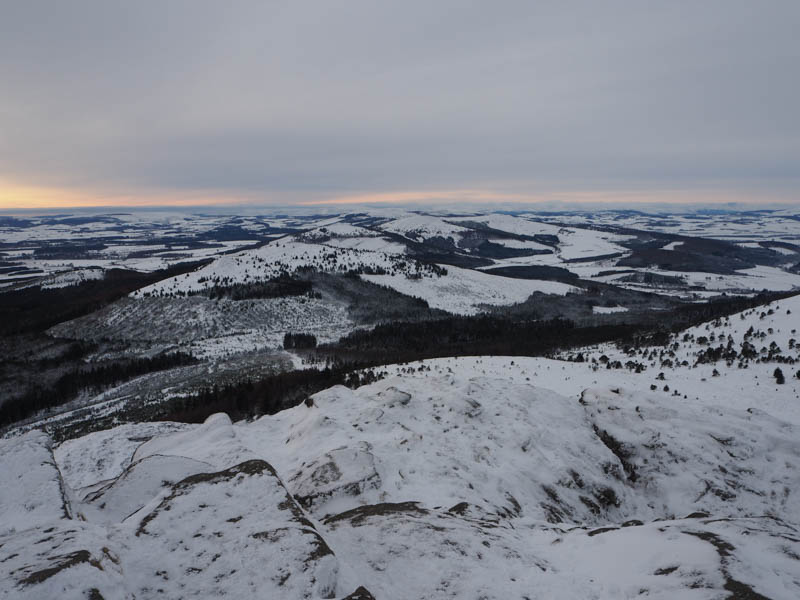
{"points": [[338, 96]]}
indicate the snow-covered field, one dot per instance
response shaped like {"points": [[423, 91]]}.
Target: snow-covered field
{"points": [[574, 243], [476, 477], [758, 278], [143, 241], [774, 225], [586, 244], [464, 291], [101, 242]]}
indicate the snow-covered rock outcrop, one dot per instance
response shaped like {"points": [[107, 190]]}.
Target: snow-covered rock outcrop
{"points": [[233, 533], [448, 483]]}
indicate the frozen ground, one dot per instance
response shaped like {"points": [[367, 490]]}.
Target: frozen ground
{"points": [[478, 477]]}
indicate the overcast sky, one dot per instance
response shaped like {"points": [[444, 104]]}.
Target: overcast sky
{"points": [[298, 101]]}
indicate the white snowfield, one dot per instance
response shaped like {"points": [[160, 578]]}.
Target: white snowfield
{"points": [[476, 477], [758, 278], [574, 243], [465, 291], [768, 225]]}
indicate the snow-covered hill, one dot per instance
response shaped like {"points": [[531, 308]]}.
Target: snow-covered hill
{"points": [[425, 227], [628, 260], [663, 467], [278, 258], [456, 290], [484, 477], [614, 247], [435, 486]]}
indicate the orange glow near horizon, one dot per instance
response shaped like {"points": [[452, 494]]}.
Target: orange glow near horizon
{"points": [[28, 197], [24, 197]]}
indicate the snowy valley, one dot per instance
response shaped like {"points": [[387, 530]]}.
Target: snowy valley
{"points": [[639, 440]]}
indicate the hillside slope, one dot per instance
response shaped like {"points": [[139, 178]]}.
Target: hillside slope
{"points": [[431, 486]]}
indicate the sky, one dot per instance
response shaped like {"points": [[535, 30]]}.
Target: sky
{"points": [[138, 103]]}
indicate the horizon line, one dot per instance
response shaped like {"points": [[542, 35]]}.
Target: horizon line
{"points": [[504, 206]]}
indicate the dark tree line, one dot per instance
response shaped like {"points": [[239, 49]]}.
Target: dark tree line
{"points": [[399, 342], [75, 351], [68, 386], [267, 395], [278, 287], [465, 336], [394, 342], [693, 314], [299, 341], [354, 361]]}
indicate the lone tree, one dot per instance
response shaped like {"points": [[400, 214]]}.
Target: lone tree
{"points": [[778, 375]]}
